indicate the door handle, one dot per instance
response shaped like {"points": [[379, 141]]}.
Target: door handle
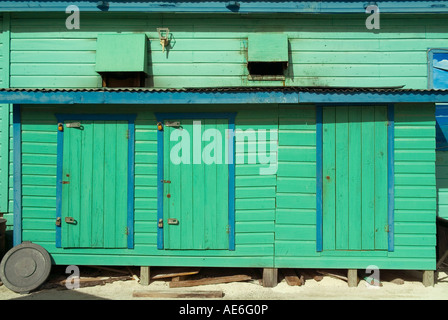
{"points": [[173, 221]]}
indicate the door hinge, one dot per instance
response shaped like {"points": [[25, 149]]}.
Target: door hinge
{"points": [[172, 123], [73, 124], [160, 223], [58, 221], [386, 228], [127, 133]]}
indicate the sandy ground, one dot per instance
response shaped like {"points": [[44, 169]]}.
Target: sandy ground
{"points": [[329, 288]]}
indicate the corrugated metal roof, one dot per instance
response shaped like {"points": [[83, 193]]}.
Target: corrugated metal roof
{"points": [[323, 90], [222, 95], [244, 6]]}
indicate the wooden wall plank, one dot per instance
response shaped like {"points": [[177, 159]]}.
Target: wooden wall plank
{"points": [[329, 177], [368, 175], [354, 183], [341, 178], [381, 178]]}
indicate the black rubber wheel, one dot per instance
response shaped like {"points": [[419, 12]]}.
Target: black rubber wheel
{"points": [[25, 267]]}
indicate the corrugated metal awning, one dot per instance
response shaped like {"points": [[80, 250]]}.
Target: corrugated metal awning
{"points": [[243, 6], [221, 95]]}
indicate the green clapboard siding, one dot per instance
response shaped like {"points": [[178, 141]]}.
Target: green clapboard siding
{"points": [[354, 159], [196, 188], [213, 50], [254, 193], [95, 167], [275, 211], [4, 119], [414, 206]]}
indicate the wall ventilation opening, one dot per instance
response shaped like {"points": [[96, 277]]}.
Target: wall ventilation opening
{"points": [[121, 59], [267, 56], [269, 69], [123, 79]]}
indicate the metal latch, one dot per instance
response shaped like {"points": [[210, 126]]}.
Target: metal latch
{"points": [[173, 221], [160, 224], [73, 124], [172, 123], [58, 221], [69, 220]]}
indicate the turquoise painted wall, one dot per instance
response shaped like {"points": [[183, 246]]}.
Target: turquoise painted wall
{"points": [[211, 50], [414, 189], [275, 214], [5, 121], [254, 204]]}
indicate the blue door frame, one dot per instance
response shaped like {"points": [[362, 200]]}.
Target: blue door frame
{"points": [[130, 118], [200, 115], [319, 175]]}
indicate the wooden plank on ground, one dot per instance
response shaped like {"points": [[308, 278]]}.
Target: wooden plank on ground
{"points": [[311, 274], [95, 281], [174, 272], [205, 281], [333, 275], [291, 277], [169, 294]]}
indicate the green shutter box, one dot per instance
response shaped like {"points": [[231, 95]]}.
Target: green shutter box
{"points": [[268, 48], [121, 53]]}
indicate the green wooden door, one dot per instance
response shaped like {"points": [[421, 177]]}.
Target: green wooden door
{"points": [[355, 192], [195, 185], [94, 187]]}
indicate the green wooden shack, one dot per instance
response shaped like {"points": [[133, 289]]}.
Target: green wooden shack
{"points": [[222, 134]]}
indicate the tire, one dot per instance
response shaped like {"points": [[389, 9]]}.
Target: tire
{"points": [[25, 267]]}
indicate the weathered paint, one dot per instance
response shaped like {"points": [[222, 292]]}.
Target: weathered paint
{"points": [[272, 211], [355, 158], [275, 214], [196, 191], [254, 229], [414, 214], [227, 7], [270, 47], [121, 53], [325, 50], [4, 120], [94, 184]]}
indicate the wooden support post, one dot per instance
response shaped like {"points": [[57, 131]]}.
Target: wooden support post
{"points": [[270, 277], [352, 277], [428, 278], [145, 276]]}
